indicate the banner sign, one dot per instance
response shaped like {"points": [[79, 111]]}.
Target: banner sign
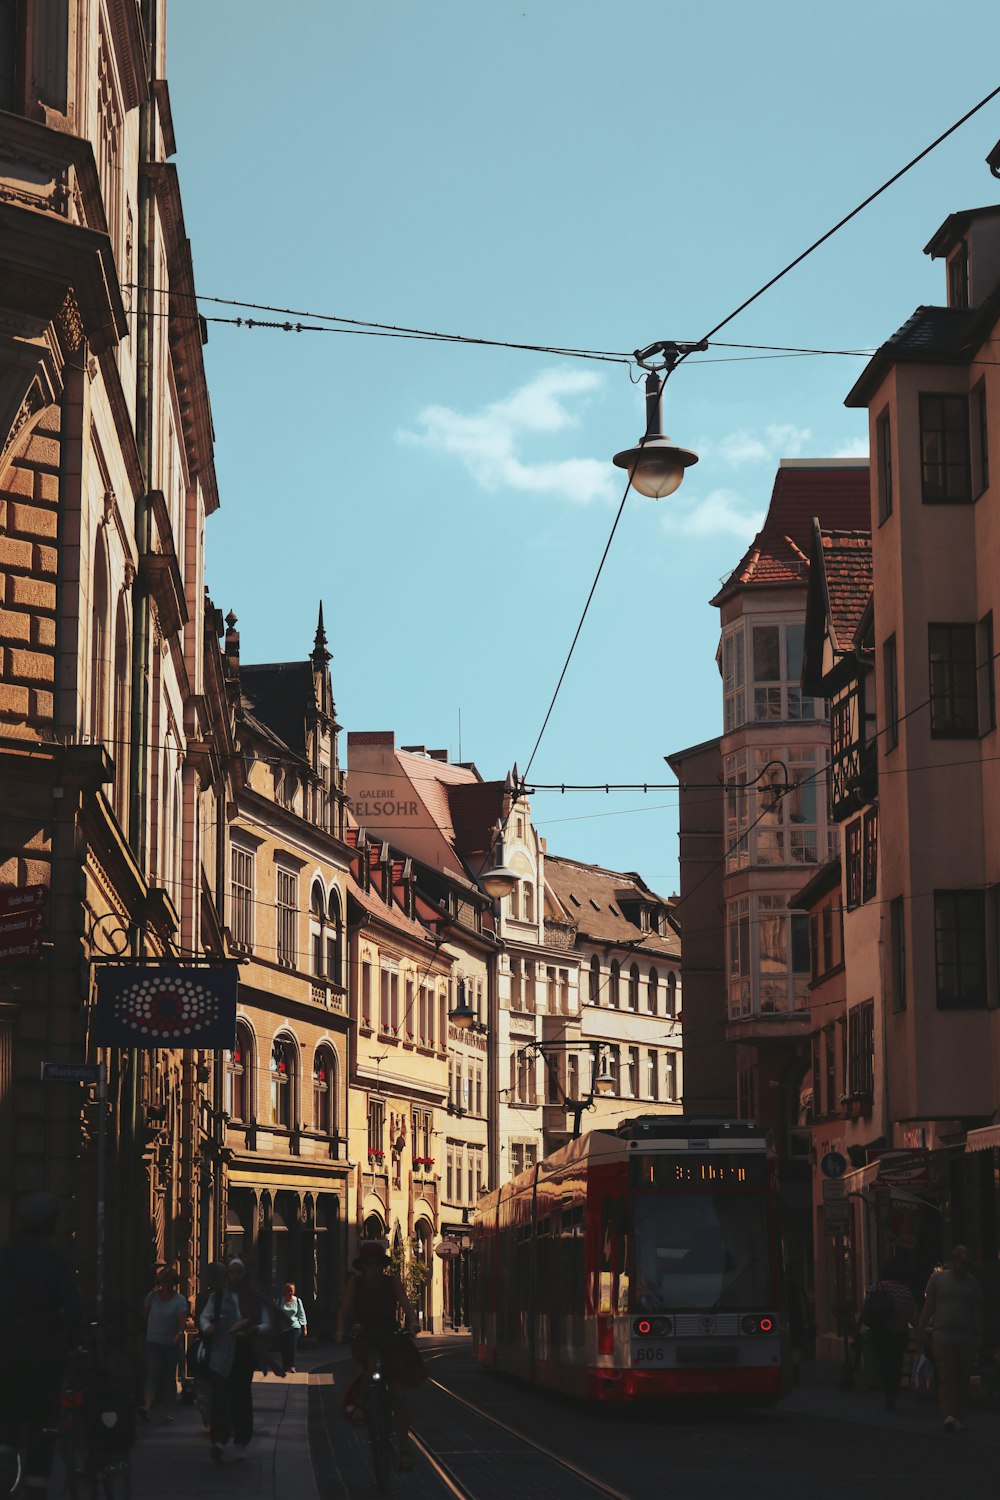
{"points": [[161, 1005], [904, 1169]]}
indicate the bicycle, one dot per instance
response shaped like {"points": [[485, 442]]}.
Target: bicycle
{"points": [[95, 1431], [381, 1424]]}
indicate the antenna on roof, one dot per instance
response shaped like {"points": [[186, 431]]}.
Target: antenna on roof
{"points": [[460, 757]]}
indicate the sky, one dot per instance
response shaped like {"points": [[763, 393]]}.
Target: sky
{"points": [[557, 172]]}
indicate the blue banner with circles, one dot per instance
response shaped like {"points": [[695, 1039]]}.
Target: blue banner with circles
{"points": [[166, 1005]]}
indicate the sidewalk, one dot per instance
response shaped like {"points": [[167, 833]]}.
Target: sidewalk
{"points": [[172, 1459], [819, 1395]]}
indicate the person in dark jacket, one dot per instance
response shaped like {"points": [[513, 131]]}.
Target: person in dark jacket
{"points": [[888, 1313], [39, 1324], [233, 1317]]}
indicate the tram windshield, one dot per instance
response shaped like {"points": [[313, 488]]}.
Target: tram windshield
{"points": [[705, 1251]]}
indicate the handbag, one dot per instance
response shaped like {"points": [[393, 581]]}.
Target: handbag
{"points": [[923, 1377]]}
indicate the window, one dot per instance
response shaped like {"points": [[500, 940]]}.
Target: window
{"points": [[958, 277], [325, 1091], [883, 461], [317, 916], [516, 993], [239, 1075], [670, 1076], [282, 1082], [985, 675], [335, 940], [653, 992], [830, 1069], [980, 441], [890, 692], [630, 1081], [595, 980], [734, 678], [288, 910], [960, 949], [529, 902], [449, 1174], [861, 1050], [952, 653], [376, 1131], [738, 957], [366, 994], [614, 984], [869, 873], [423, 1137], [633, 987], [671, 995], [944, 450], [241, 873], [410, 1018], [853, 863], [897, 953], [479, 1089], [652, 1075]]}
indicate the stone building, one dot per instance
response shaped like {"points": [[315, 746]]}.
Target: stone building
{"points": [[281, 1092], [627, 1027], [113, 752]]}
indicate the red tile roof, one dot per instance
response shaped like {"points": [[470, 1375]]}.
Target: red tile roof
{"points": [[835, 491], [847, 575]]}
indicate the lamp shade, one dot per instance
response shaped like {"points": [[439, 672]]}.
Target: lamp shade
{"points": [[462, 1016], [656, 467]]}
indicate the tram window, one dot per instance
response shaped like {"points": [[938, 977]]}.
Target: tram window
{"points": [[702, 1250]]}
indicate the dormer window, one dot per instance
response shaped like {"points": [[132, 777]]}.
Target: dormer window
{"points": [[958, 277]]}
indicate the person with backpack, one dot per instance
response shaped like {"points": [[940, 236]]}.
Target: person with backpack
{"points": [[166, 1315], [888, 1312], [233, 1318], [39, 1325], [293, 1325]]}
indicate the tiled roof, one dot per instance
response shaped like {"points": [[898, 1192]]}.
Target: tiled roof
{"points": [[833, 490], [279, 694], [934, 335], [389, 915], [591, 897], [475, 811], [847, 573]]}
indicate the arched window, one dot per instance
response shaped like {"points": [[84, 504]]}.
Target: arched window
{"points": [[325, 1091], [317, 917], [335, 940], [652, 992], [529, 902], [283, 1058], [99, 637], [633, 987], [671, 993], [515, 901], [595, 980], [614, 983], [238, 1083], [121, 712]]}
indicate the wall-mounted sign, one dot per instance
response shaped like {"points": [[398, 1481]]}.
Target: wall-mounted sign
{"points": [[166, 1005]]}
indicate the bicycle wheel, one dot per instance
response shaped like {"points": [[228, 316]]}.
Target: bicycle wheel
{"points": [[380, 1435]]}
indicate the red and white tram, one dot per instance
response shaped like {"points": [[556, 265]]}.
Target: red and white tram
{"points": [[641, 1262]]}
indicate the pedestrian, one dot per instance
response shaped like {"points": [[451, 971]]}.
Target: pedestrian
{"points": [[234, 1318], [198, 1369], [294, 1318], [888, 1312], [39, 1325], [166, 1314], [953, 1310]]}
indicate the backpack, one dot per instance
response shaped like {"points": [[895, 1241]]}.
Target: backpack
{"points": [[878, 1310]]}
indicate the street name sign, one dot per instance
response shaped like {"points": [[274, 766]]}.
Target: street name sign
{"points": [[57, 1072], [833, 1188]]}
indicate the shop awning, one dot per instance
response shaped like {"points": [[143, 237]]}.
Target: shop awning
{"points": [[984, 1139]]}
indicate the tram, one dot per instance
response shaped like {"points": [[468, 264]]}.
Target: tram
{"points": [[643, 1262]]}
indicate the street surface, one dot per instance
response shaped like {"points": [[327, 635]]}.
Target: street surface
{"points": [[821, 1444]]}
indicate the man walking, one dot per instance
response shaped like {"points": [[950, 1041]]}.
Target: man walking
{"points": [[953, 1308], [166, 1314], [233, 1318]]}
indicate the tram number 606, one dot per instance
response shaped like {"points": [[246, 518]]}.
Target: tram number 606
{"points": [[646, 1354]]}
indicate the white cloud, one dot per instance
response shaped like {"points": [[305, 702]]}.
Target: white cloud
{"points": [[488, 442], [749, 446], [854, 448], [721, 512]]}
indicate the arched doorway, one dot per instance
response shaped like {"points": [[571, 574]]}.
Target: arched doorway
{"points": [[423, 1240]]}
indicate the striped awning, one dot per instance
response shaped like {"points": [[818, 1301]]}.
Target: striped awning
{"points": [[984, 1139]]}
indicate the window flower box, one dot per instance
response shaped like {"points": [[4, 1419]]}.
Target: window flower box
{"points": [[378, 1157]]}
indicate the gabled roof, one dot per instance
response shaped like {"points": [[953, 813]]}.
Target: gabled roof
{"points": [[932, 335], [840, 592], [835, 490], [279, 695], [943, 241], [595, 900]]}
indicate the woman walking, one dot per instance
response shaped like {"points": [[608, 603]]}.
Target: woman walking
{"points": [[291, 1306], [888, 1312], [166, 1314], [232, 1319]]}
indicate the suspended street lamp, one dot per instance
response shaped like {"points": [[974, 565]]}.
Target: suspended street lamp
{"points": [[656, 465]]}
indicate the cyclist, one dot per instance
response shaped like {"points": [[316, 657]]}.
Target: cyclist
{"points": [[370, 1309], [39, 1324]]}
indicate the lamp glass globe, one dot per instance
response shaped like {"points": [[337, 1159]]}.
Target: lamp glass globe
{"points": [[656, 475]]}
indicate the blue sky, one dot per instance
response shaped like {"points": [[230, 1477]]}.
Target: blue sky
{"points": [[546, 171]]}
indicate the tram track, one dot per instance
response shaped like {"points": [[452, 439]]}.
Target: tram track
{"points": [[461, 1491]]}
